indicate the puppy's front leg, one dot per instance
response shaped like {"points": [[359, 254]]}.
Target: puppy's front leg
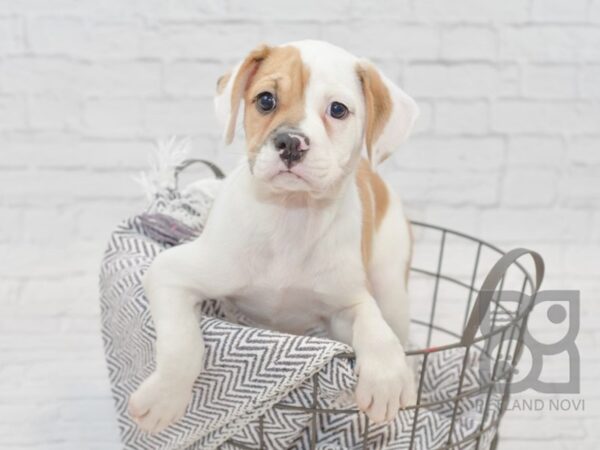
{"points": [[385, 382], [176, 281]]}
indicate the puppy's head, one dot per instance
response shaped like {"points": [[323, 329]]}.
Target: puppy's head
{"points": [[309, 109]]}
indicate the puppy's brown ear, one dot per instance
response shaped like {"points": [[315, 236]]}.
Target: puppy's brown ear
{"points": [[231, 88], [390, 113]]}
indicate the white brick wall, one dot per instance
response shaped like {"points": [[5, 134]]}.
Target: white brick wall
{"points": [[508, 148]]}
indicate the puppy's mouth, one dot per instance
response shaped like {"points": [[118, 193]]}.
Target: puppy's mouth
{"points": [[289, 172], [290, 180]]}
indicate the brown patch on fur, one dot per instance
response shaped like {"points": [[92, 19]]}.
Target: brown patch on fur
{"points": [[284, 74], [378, 104], [375, 200], [382, 197], [222, 82], [368, 213], [240, 85]]}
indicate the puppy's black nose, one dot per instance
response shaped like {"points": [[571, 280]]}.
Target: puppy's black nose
{"points": [[291, 147]]}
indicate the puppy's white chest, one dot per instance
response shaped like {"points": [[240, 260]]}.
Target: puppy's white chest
{"points": [[282, 295], [292, 310]]}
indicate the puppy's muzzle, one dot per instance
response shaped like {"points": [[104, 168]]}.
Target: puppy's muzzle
{"points": [[291, 146]]}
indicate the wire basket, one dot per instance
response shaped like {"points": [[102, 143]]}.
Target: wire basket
{"points": [[454, 319], [467, 296]]}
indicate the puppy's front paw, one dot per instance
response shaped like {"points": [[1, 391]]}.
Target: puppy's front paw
{"points": [[385, 384], [158, 402]]}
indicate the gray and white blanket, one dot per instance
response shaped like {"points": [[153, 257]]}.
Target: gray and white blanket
{"points": [[256, 383]]}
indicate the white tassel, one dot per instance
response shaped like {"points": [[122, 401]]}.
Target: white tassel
{"points": [[169, 154]]}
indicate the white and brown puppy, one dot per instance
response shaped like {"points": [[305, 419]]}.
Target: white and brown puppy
{"points": [[303, 233]]}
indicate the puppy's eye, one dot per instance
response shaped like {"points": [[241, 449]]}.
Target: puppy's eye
{"points": [[338, 110], [265, 102]]}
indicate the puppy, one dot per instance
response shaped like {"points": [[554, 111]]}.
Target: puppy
{"points": [[303, 233]]}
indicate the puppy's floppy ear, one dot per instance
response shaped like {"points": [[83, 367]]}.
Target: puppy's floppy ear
{"points": [[390, 113], [231, 88]]}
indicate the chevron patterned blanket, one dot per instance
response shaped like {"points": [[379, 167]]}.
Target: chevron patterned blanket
{"points": [[256, 383]]}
